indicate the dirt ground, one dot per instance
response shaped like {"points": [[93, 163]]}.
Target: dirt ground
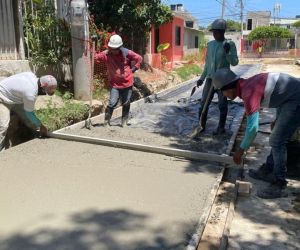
{"points": [[267, 224], [277, 65]]}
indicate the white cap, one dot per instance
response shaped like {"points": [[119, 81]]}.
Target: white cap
{"points": [[115, 42], [48, 81]]}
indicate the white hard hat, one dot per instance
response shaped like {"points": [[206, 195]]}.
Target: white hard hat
{"points": [[223, 77], [115, 42], [218, 24], [48, 81]]}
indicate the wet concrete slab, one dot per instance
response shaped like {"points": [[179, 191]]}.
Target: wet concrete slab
{"points": [[65, 195]]}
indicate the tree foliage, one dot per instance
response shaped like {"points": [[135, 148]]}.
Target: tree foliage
{"points": [[47, 38], [231, 25], [131, 18], [269, 32], [296, 24]]}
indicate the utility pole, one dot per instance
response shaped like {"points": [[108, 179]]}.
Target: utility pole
{"points": [[223, 8], [277, 8], [242, 21]]}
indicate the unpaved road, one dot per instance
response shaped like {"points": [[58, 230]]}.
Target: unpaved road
{"points": [[65, 195]]}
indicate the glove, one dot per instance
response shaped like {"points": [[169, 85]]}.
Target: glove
{"points": [[199, 82], [43, 131], [226, 47], [133, 69]]}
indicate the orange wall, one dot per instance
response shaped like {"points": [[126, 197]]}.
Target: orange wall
{"points": [[167, 34]]}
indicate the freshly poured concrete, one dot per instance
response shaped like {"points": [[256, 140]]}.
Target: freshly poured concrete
{"points": [[73, 196]]}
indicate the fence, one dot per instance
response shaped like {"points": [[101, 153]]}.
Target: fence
{"points": [[283, 47], [8, 47]]}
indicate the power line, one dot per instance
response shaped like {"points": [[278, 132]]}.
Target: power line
{"points": [[226, 6]]}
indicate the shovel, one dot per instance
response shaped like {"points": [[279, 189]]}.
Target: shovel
{"points": [[193, 90], [199, 128]]}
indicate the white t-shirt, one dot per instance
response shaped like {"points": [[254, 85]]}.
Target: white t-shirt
{"points": [[20, 89]]}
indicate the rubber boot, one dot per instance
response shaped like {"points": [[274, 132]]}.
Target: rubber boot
{"points": [[220, 130], [108, 113], [125, 114]]}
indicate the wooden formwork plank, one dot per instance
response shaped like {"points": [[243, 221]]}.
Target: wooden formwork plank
{"points": [[214, 229], [192, 155]]}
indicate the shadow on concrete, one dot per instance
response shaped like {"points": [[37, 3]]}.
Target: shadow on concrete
{"points": [[92, 229]]}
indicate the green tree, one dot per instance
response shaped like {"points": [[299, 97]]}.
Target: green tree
{"points": [[231, 25], [131, 18], [296, 24], [47, 38], [269, 32]]}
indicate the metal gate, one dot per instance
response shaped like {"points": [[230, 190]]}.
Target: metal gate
{"points": [[8, 48]]}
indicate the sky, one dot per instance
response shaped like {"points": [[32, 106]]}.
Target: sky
{"points": [[208, 10]]}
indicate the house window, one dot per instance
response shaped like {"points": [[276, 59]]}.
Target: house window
{"points": [[173, 7], [196, 42], [249, 24], [156, 39], [189, 24], [178, 36]]}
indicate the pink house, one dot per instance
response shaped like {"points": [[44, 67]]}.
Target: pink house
{"points": [[183, 35]]}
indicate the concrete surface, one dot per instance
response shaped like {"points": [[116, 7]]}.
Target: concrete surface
{"points": [[266, 224], [66, 195]]}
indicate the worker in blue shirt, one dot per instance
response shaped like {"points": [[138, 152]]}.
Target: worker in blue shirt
{"points": [[221, 53]]}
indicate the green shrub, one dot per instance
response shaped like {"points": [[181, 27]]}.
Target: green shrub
{"points": [[188, 71], [55, 118]]}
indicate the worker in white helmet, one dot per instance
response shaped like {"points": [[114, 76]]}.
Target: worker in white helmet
{"points": [[270, 90], [221, 53], [18, 93], [121, 64]]}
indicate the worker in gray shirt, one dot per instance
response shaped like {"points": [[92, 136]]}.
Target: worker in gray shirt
{"points": [[19, 93]]}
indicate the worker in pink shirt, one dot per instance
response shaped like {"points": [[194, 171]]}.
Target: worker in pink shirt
{"points": [[121, 64], [269, 90]]}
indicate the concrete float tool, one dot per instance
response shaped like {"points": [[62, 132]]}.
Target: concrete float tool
{"points": [[191, 155]]}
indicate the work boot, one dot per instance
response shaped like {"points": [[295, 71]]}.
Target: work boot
{"points": [[124, 122], [125, 114], [107, 116], [219, 131], [263, 173], [275, 190]]}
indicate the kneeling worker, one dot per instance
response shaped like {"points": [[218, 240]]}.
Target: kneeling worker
{"points": [[19, 93], [271, 90]]}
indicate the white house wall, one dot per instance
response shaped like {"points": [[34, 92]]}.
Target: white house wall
{"points": [[234, 36], [189, 41]]}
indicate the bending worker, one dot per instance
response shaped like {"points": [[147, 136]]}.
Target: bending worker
{"points": [[221, 53], [120, 73], [19, 93], [272, 90]]}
